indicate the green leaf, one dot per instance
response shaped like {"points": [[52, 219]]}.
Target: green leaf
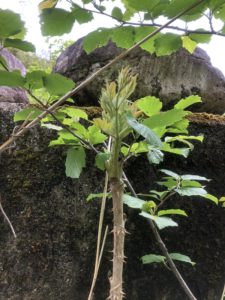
{"points": [[95, 135], [194, 177], [186, 102], [146, 132], [75, 113], [140, 147], [150, 105], [211, 197], [191, 191], [57, 84], [75, 162], [123, 36], [35, 79], [179, 151], [189, 44], [141, 32], [47, 4], [177, 6], [82, 16], [181, 257], [191, 183], [100, 160], [96, 39], [166, 118], [172, 212], [10, 23], [155, 156], [170, 173], [22, 115], [200, 38], [19, 44], [167, 44], [56, 21], [13, 79], [3, 62], [94, 196], [220, 12], [117, 13], [161, 222], [152, 258], [133, 202]]}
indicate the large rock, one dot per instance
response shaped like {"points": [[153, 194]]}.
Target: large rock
{"points": [[169, 77], [53, 255], [12, 98]]}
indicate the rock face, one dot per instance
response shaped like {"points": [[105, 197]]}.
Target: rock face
{"points": [[53, 255], [169, 78], [12, 98]]}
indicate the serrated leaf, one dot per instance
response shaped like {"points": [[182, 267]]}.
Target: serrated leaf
{"points": [[186, 102], [133, 202], [146, 132], [189, 44], [140, 147], [75, 162], [191, 191], [181, 257], [10, 23], [152, 258], [150, 105], [13, 79], [166, 118], [96, 39], [123, 36], [211, 198], [19, 44], [100, 160], [56, 21], [117, 13], [82, 16], [22, 115], [167, 44], [172, 212], [57, 84], [140, 5]]}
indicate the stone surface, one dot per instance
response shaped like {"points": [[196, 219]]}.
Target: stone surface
{"points": [[53, 256], [169, 77], [12, 98]]}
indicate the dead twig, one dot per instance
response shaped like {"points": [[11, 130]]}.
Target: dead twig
{"points": [[7, 219]]}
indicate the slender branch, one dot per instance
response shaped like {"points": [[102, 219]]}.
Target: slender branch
{"points": [[7, 219], [92, 77], [163, 248], [223, 293], [186, 31]]}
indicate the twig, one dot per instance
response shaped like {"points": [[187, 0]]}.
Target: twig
{"points": [[186, 31], [100, 225], [164, 249], [7, 219], [91, 78], [223, 293]]}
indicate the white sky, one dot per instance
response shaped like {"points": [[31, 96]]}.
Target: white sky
{"points": [[28, 9]]}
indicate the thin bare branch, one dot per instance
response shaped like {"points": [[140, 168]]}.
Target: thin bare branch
{"points": [[7, 219]]}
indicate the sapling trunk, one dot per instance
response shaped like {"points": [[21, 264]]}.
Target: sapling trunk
{"points": [[116, 185]]}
